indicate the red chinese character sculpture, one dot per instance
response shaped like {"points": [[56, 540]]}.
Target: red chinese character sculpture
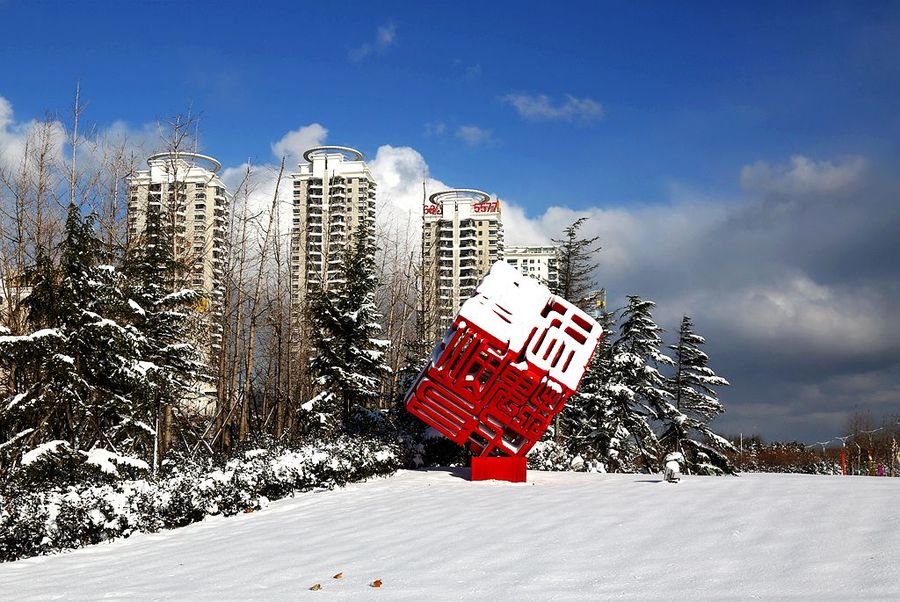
{"points": [[513, 356]]}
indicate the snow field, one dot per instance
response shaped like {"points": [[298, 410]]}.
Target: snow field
{"points": [[434, 535]]}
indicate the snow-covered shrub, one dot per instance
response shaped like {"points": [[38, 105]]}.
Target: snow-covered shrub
{"points": [[703, 465], [56, 464], [34, 522], [23, 526], [549, 455]]}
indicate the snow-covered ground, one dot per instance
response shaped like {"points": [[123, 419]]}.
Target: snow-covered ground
{"points": [[434, 535]]}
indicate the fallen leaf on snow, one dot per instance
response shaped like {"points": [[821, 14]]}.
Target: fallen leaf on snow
{"points": [[338, 576], [316, 587], [376, 583]]}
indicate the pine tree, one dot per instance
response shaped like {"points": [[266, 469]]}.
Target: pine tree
{"points": [[576, 267], [170, 362], [586, 415], [74, 376], [349, 358], [576, 264], [637, 389], [692, 389]]}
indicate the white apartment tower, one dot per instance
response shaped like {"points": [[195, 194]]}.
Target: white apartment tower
{"points": [[334, 193], [462, 237], [540, 262], [184, 189]]}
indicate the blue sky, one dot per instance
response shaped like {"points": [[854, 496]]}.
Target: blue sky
{"points": [[688, 95], [739, 161]]}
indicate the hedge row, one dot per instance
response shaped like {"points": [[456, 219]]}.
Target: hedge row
{"points": [[62, 518]]}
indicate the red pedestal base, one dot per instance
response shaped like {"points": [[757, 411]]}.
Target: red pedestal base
{"points": [[511, 468]]}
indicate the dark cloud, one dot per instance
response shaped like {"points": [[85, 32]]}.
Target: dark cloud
{"points": [[794, 284]]}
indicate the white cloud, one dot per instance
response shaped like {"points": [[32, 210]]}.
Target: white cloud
{"points": [[15, 137], [795, 312], [518, 229], [385, 37], [146, 137], [435, 129], [803, 176], [293, 144], [541, 107], [6, 113], [96, 147], [474, 135], [400, 172], [257, 191]]}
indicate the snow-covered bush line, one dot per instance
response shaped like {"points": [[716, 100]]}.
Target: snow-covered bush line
{"points": [[549, 455], [42, 522]]}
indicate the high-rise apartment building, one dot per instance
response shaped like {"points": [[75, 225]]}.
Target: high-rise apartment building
{"points": [[540, 262], [462, 237], [184, 190], [334, 193]]}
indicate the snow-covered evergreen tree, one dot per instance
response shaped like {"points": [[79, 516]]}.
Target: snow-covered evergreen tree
{"points": [[576, 267], [585, 417], [171, 364], [636, 388], [73, 378], [349, 358], [692, 390]]}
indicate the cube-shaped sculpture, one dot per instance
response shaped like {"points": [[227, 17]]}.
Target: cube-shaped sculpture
{"points": [[513, 356]]}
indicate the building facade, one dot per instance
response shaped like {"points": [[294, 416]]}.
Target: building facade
{"points": [[185, 191], [540, 262], [333, 194], [462, 237]]}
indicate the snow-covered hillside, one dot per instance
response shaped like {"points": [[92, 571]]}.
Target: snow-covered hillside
{"points": [[434, 535]]}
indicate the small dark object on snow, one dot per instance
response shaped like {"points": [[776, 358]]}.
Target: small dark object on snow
{"points": [[316, 587], [376, 583], [338, 576]]}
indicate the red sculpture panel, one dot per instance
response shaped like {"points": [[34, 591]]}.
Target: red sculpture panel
{"points": [[513, 356]]}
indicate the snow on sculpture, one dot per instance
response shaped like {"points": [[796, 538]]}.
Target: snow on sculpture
{"points": [[512, 357], [673, 461]]}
